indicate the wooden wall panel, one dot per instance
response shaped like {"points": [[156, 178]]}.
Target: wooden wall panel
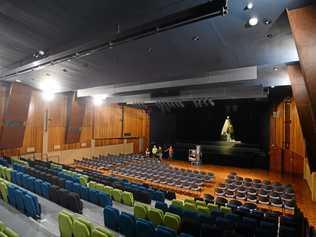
{"points": [[286, 153], [15, 116], [108, 121]]}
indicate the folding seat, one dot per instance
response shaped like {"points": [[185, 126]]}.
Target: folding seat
{"points": [[99, 187], [117, 195], [189, 206], [270, 228], [213, 207], [225, 210], [65, 222], [45, 187], [53, 193], [19, 200], [144, 228], [76, 188], [286, 231], [170, 195], [11, 195], [288, 221], [175, 210], [31, 184], [162, 206], [142, 196], [233, 217], [200, 203], [93, 196], [177, 203], [163, 231], [80, 229], [73, 202], [155, 216], [190, 226], [221, 201], [30, 206], [159, 196], [83, 180], [108, 190], [24, 180], [87, 223], [111, 218], [8, 173], [4, 191], [69, 185], [8, 232], [216, 214], [104, 199], [250, 222], [140, 210], [172, 220], [128, 198], [37, 186], [224, 223], [210, 230], [101, 232], [84, 192], [14, 176], [127, 225], [92, 185]]}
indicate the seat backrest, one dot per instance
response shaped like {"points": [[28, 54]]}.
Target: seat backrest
{"points": [[162, 206], [111, 217], [177, 203], [117, 195], [19, 200], [144, 228], [4, 191], [127, 198], [10, 233], [65, 222], [84, 192], [104, 199], [140, 210], [127, 224], [93, 196], [172, 220], [155, 216], [73, 202], [11, 195], [163, 231], [80, 229], [30, 208]]}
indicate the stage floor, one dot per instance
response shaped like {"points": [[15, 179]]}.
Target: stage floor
{"points": [[302, 191]]}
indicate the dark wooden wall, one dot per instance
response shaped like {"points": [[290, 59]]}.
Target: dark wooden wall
{"points": [[287, 144]]}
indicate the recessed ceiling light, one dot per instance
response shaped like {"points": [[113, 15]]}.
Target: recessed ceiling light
{"points": [[275, 69], [249, 6], [272, 86], [149, 50], [267, 21], [253, 21], [269, 36], [196, 38], [41, 52], [17, 80]]}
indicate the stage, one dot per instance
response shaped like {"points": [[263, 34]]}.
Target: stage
{"points": [[226, 153]]}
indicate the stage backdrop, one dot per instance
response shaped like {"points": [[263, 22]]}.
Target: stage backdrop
{"points": [[250, 120]]}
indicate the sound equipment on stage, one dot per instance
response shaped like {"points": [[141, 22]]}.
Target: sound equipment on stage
{"points": [[195, 155]]}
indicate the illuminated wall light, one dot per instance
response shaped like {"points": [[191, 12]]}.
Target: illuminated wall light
{"points": [[99, 99], [49, 87]]}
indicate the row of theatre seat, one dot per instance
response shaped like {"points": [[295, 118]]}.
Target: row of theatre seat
{"points": [[76, 226], [242, 221], [131, 226], [24, 201], [5, 231], [48, 186]]}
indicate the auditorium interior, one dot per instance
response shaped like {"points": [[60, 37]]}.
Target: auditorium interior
{"points": [[169, 118]]}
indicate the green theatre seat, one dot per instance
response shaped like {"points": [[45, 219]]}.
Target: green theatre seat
{"points": [[212, 207], [155, 215], [10, 233], [140, 210], [226, 210], [83, 180], [99, 187], [200, 203], [87, 223], [101, 232], [172, 221], [203, 209], [108, 190], [127, 198], [117, 194], [177, 203], [2, 226], [80, 229], [4, 191], [65, 221], [189, 206], [92, 184]]}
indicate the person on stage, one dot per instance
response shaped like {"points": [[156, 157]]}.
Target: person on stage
{"points": [[228, 130]]}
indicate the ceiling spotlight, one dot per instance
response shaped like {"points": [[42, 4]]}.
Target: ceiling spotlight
{"points": [[196, 38], [41, 52], [267, 21], [253, 21], [269, 36], [17, 80], [249, 6], [275, 69], [149, 50]]}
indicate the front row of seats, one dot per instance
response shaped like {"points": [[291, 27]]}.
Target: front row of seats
{"points": [[75, 226]]}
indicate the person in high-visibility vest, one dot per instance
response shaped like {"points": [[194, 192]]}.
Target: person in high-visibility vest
{"points": [[154, 151]]}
